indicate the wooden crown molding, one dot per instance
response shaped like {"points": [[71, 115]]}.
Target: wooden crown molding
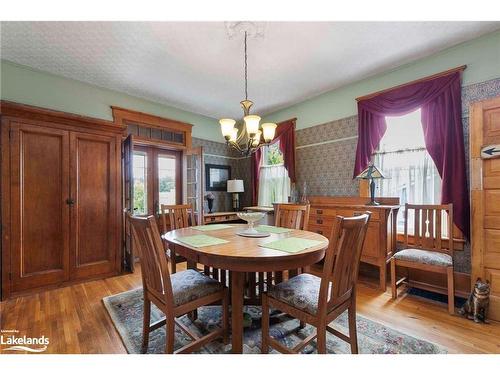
{"points": [[122, 115], [25, 111], [437, 75]]}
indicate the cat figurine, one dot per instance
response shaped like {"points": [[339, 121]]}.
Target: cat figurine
{"points": [[476, 306]]}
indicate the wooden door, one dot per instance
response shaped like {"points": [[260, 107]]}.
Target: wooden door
{"points": [[128, 200], [94, 191], [39, 206], [485, 186]]}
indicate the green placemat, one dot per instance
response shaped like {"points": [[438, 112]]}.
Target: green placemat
{"points": [[201, 240], [207, 228], [271, 229], [291, 244]]}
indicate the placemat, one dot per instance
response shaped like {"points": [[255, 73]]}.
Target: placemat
{"points": [[201, 240], [291, 244], [271, 229], [207, 228]]}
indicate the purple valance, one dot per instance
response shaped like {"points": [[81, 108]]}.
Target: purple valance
{"points": [[441, 108]]}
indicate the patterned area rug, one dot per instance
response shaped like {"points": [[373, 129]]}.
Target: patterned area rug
{"points": [[126, 309]]}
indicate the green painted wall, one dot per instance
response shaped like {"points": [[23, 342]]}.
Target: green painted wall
{"points": [[25, 85], [481, 55]]}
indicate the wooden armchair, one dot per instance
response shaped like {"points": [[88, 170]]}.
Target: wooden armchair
{"points": [[176, 217], [319, 300], [430, 250], [175, 295]]}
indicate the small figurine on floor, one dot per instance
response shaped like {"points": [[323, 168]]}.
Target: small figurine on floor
{"points": [[476, 306]]}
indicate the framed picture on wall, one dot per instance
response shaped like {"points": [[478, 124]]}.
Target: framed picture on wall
{"points": [[216, 177]]}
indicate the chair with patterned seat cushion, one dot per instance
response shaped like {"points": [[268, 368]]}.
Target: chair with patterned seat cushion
{"points": [[175, 295], [320, 300], [431, 248], [301, 291]]}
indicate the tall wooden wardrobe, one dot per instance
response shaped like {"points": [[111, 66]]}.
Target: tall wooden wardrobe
{"points": [[60, 198]]}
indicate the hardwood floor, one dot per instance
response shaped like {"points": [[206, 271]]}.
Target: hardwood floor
{"points": [[75, 320]]}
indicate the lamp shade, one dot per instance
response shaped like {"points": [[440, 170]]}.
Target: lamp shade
{"points": [[371, 172], [226, 126], [269, 129], [235, 186], [252, 124]]}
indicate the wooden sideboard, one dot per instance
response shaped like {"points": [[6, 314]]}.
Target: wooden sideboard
{"points": [[220, 217], [381, 240]]}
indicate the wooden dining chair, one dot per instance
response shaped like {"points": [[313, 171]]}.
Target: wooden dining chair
{"points": [[292, 216], [176, 216], [319, 300], [430, 249], [176, 294]]}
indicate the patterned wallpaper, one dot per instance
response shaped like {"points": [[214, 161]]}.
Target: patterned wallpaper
{"points": [[325, 158], [218, 153]]}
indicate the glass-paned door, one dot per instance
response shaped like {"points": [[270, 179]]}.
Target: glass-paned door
{"points": [[140, 177], [157, 179], [194, 181], [167, 179]]}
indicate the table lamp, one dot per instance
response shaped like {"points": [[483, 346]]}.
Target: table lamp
{"points": [[235, 187], [371, 173]]}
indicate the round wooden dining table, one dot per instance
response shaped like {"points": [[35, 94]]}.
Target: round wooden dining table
{"points": [[241, 255]]}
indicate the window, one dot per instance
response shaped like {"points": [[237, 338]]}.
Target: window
{"points": [[140, 183], [166, 179], [410, 171], [274, 183], [156, 179]]}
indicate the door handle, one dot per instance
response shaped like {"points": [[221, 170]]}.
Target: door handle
{"points": [[70, 201]]}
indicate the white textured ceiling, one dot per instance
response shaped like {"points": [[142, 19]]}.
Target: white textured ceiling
{"points": [[196, 66]]}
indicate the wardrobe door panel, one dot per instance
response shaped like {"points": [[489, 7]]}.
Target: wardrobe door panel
{"points": [[39, 211], [94, 215]]}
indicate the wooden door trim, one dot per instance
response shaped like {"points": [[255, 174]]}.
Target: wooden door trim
{"points": [[65, 119], [5, 206], [122, 115]]}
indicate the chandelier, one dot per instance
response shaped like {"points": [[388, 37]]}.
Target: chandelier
{"points": [[251, 137]]}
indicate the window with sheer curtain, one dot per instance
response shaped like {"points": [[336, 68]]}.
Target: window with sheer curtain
{"points": [[274, 183], [411, 173]]}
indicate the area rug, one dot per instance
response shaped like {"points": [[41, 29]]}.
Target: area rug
{"points": [[125, 310]]}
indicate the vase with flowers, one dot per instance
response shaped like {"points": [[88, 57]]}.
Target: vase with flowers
{"points": [[210, 201]]}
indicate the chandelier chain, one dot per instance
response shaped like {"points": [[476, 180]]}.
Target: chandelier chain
{"points": [[246, 73]]}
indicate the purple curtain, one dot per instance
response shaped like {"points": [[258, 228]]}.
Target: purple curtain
{"points": [[441, 107]]}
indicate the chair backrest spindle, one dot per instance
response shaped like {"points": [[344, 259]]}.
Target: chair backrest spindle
{"points": [[428, 233]]}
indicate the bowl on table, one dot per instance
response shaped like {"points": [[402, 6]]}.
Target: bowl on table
{"points": [[251, 218]]}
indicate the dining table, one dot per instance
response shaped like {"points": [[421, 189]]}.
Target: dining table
{"points": [[243, 255]]}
